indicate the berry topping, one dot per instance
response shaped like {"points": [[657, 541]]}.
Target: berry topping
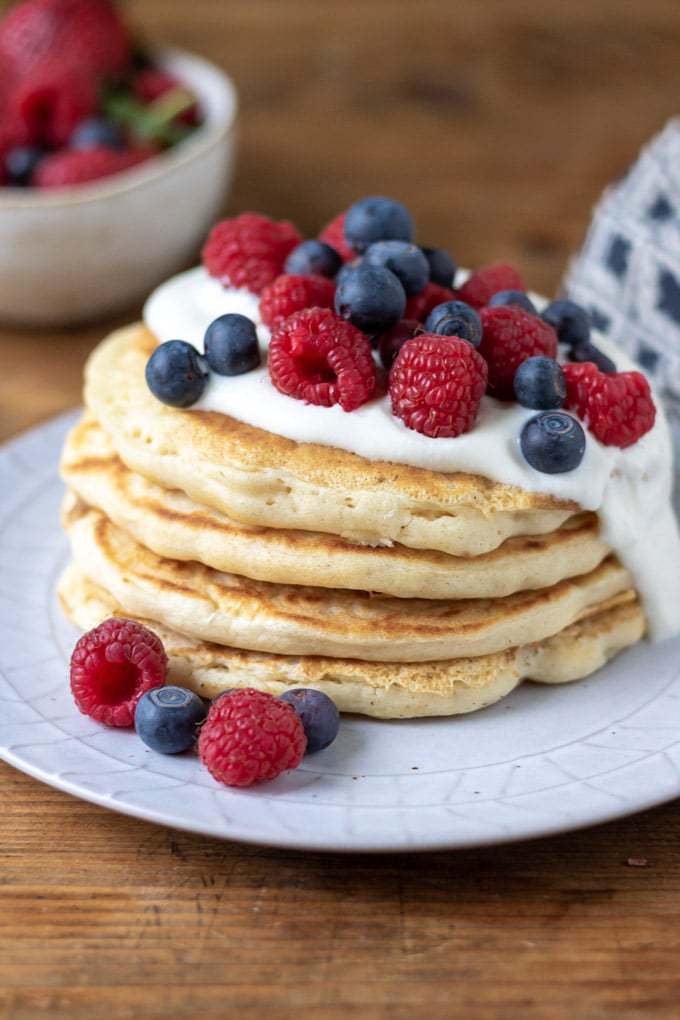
{"points": [[513, 297], [21, 163], [112, 666], [589, 352], [372, 299], [66, 169], [319, 358], [442, 267], [174, 374], [540, 383], [288, 294], [318, 715], [347, 269], [376, 219], [391, 342], [406, 261], [436, 384], [231, 346], [52, 101], [250, 737], [249, 251], [570, 321], [510, 336], [479, 288], [313, 258], [334, 235], [617, 407], [167, 719], [96, 131], [553, 442], [420, 306], [455, 318]]}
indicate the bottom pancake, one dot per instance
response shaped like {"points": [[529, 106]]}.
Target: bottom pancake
{"points": [[384, 690]]}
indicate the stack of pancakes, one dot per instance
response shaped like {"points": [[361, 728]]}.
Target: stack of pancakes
{"points": [[268, 563]]}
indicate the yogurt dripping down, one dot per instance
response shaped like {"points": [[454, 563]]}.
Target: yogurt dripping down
{"points": [[630, 489]]}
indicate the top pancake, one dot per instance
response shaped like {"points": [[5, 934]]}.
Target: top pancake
{"points": [[263, 479]]}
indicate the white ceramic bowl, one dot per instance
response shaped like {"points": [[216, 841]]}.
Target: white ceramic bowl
{"points": [[73, 255]]}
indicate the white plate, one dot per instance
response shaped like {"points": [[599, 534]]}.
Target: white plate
{"points": [[544, 760]]}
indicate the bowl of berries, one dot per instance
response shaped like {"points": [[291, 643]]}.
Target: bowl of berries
{"points": [[102, 141]]}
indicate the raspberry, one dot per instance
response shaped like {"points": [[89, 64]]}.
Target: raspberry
{"points": [[320, 358], [334, 234], [617, 407], [112, 666], [420, 305], [249, 251], [52, 101], [67, 168], [482, 285], [510, 336], [290, 293], [250, 737], [85, 35], [436, 384]]}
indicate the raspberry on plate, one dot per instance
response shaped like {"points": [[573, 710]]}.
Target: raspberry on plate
{"points": [[69, 167], [334, 235], [420, 305], [617, 407], [436, 385], [249, 251], [479, 288], [250, 737], [291, 293], [112, 666], [320, 358], [510, 336]]}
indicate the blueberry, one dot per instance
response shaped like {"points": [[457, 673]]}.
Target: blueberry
{"points": [[377, 219], [405, 260], [442, 267], [540, 383], [313, 258], [391, 342], [317, 713], [167, 719], [345, 270], [571, 321], [455, 318], [589, 352], [21, 163], [514, 297], [231, 346], [175, 375], [372, 299], [553, 442], [95, 132]]}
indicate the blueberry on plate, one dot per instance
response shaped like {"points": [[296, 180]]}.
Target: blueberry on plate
{"points": [[95, 132], [377, 219], [405, 260], [167, 719], [231, 346], [319, 717], [21, 163], [455, 318], [589, 352], [175, 375], [442, 267], [539, 383], [553, 442], [570, 321], [514, 297], [371, 298], [313, 258]]}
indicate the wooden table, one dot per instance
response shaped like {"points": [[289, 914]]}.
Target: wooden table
{"points": [[499, 123]]}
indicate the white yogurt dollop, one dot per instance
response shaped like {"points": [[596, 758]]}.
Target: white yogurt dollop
{"points": [[630, 489]]}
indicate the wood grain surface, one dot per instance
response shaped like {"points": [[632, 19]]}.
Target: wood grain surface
{"points": [[498, 122]]}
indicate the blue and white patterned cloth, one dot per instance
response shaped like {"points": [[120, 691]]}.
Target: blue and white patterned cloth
{"points": [[628, 271]]}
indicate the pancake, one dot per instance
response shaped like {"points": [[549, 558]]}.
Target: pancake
{"points": [[229, 609], [265, 480], [170, 524], [383, 690]]}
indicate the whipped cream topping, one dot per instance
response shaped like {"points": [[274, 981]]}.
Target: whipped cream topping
{"points": [[630, 489]]}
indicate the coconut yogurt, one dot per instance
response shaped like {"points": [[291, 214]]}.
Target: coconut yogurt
{"points": [[630, 489]]}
